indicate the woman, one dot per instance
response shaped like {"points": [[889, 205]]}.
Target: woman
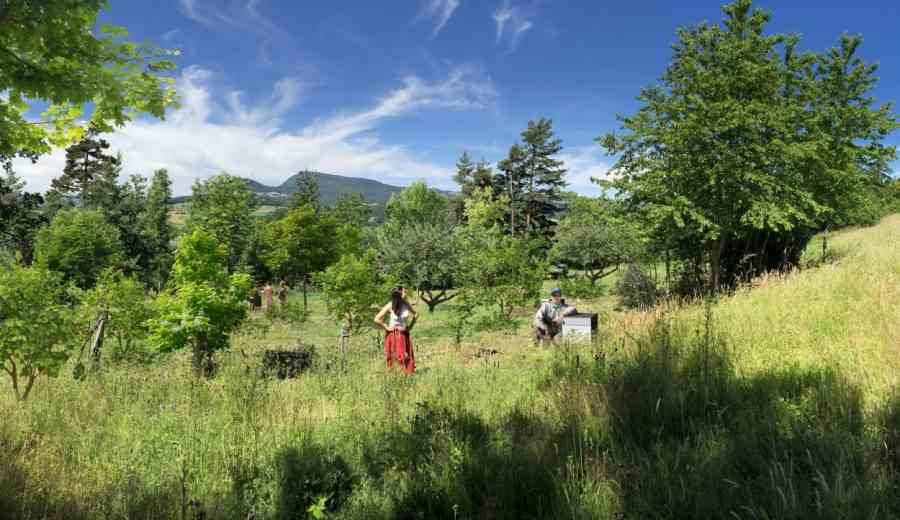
{"points": [[397, 343]]}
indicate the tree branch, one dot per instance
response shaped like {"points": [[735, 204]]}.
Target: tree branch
{"points": [[32, 377], [21, 60]]}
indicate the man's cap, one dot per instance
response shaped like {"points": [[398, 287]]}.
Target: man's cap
{"points": [[556, 291]]}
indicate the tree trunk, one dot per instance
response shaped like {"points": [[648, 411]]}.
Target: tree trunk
{"points": [[305, 279], [715, 263]]}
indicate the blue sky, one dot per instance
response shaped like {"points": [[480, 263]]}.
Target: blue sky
{"points": [[396, 89]]}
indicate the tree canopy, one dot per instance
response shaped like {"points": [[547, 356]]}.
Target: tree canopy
{"points": [[51, 53], [747, 145]]}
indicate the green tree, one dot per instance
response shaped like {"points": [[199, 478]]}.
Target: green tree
{"points": [[470, 177], [416, 203], [300, 244], [423, 256], [510, 181], [543, 179], [737, 150], [203, 305], [35, 326], [594, 238], [128, 308], [90, 177], [224, 206], [79, 244], [52, 53], [20, 217], [354, 289], [352, 208], [157, 230], [306, 191], [503, 270]]}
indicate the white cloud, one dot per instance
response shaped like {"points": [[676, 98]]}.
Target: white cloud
{"points": [[583, 164], [439, 11], [512, 22], [210, 134]]}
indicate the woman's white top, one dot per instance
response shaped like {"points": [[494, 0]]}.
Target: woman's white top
{"points": [[399, 321]]}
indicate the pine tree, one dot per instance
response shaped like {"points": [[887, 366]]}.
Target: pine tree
{"points": [[510, 181], [543, 176], [307, 191], [156, 228], [465, 169], [89, 177]]}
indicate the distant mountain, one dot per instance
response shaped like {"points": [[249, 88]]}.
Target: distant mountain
{"points": [[331, 187]]}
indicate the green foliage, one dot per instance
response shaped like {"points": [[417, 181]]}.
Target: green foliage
{"points": [[52, 52], [637, 288], [35, 326], [504, 270], [224, 206], [352, 209], [80, 244], [593, 237], [748, 145], [300, 243], [20, 217], [203, 305], [157, 230], [415, 204], [354, 289], [533, 178], [129, 309], [306, 192], [423, 256], [472, 176]]}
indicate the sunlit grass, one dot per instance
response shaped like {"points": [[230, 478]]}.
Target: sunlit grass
{"points": [[494, 427]]}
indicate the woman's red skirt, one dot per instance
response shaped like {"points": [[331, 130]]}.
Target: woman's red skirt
{"points": [[398, 346]]}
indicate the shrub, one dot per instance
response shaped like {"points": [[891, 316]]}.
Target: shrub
{"points": [[637, 288], [35, 326]]}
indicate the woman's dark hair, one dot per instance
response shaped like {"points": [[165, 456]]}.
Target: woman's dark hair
{"points": [[397, 302]]}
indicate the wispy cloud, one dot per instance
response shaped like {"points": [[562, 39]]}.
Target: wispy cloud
{"points": [[439, 11], [512, 22], [212, 133], [240, 15], [585, 163]]}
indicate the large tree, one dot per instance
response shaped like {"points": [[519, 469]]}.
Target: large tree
{"points": [[734, 151], [543, 177], [79, 244], [157, 229], [53, 55], [20, 217], [300, 244], [595, 238], [90, 177], [424, 256], [416, 203], [35, 326], [224, 206], [203, 305]]}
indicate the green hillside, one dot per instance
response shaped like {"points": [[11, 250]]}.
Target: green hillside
{"points": [[331, 188]]}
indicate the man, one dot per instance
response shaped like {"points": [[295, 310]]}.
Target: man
{"points": [[549, 317]]}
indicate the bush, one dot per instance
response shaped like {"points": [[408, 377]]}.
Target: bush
{"points": [[579, 286], [637, 288]]}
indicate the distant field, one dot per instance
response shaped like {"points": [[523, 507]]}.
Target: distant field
{"points": [[776, 402], [178, 213]]}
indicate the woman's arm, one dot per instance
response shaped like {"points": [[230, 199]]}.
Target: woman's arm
{"points": [[379, 318], [413, 316]]}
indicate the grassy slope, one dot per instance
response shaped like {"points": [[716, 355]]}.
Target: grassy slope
{"points": [[522, 432]]}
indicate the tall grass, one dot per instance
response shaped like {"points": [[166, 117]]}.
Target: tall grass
{"points": [[778, 402]]}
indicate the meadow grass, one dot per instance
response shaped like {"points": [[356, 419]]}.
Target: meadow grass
{"points": [[779, 401]]}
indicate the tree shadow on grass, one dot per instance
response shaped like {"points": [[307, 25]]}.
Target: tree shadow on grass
{"points": [[694, 439]]}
